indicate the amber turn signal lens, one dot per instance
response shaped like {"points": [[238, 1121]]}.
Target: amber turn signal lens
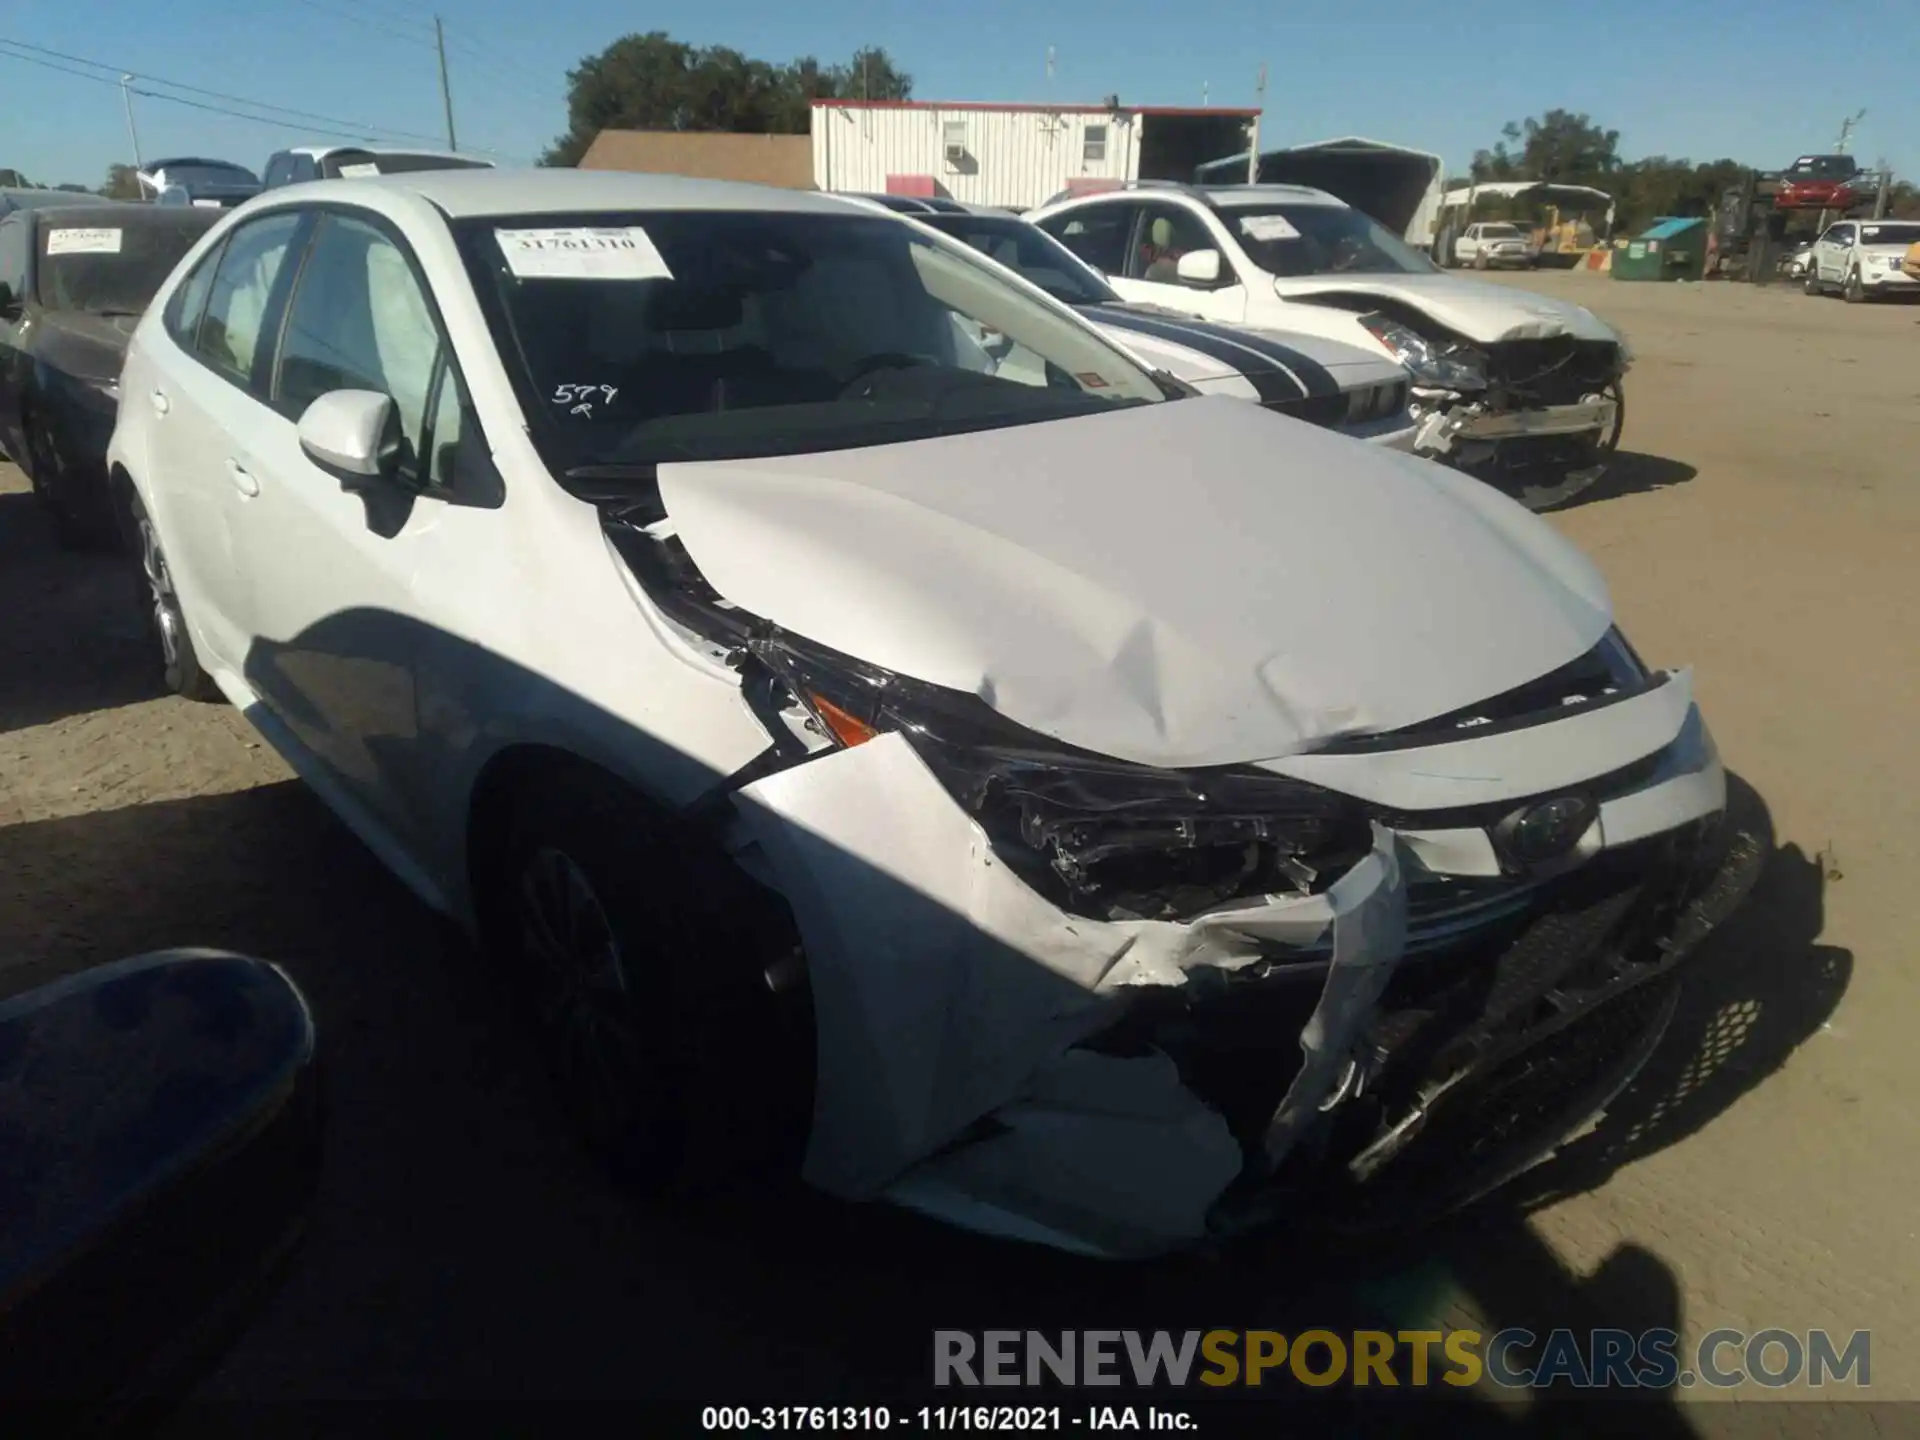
{"points": [[846, 729]]}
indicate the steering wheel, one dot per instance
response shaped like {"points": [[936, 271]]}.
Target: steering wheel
{"points": [[885, 360]]}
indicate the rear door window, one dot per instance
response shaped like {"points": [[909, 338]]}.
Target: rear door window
{"points": [[237, 303]]}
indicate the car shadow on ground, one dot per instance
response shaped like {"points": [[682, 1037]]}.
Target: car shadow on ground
{"points": [[73, 640], [1631, 472], [465, 1263], [466, 1260]]}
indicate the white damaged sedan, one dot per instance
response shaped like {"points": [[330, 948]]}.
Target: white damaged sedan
{"points": [[1075, 808]]}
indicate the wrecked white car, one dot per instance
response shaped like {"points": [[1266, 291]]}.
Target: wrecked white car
{"points": [[1163, 814], [1519, 389]]}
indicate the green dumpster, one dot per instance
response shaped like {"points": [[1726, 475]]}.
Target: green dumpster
{"points": [[1673, 249]]}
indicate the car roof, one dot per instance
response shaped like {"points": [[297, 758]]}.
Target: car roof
{"points": [[461, 193], [1228, 197], [129, 215], [17, 198], [901, 204], [320, 152], [154, 167]]}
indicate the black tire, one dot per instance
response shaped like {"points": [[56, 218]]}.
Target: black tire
{"points": [[159, 602], [1480, 260], [1851, 290], [678, 1066], [1812, 282]]}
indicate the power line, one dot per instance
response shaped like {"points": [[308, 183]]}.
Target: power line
{"points": [[177, 99], [498, 67], [340, 128], [371, 24]]}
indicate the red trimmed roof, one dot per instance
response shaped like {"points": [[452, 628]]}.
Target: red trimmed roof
{"points": [[1228, 111]]}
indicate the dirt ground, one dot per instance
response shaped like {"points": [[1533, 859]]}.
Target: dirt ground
{"points": [[1763, 529]]}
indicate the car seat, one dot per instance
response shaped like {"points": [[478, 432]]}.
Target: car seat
{"points": [[1164, 263]]}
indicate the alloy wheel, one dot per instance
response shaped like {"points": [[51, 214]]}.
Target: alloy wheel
{"points": [[163, 602], [583, 998]]}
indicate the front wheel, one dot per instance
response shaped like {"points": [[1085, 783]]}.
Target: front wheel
{"points": [[676, 1064], [1480, 261], [1853, 291], [159, 602], [1812, 283]]}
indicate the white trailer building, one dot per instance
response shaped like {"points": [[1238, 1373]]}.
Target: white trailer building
{"points": [[1013, 155]]}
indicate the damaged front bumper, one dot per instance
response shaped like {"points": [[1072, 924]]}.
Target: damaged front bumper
{"points": [[1125, 1087], [1541, 456], [1441, 430]]}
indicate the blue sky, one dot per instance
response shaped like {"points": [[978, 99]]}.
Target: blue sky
{"points": [[1678, 79]]}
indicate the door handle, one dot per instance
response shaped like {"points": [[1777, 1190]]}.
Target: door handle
{"points": [[242, 478], [160, 402]]}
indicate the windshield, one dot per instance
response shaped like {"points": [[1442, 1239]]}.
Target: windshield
{"points": [[1035, 255], [114, 268], [1500, 232], [638, 338], [201, 174], [1823, 167], [1321, 240], [1885, 232], [355, 163]]}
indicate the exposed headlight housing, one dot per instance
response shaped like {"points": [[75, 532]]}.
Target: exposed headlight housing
{"points": [[1098, 836], [1449, 367]]}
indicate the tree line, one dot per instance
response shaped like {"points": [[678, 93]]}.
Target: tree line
{"points": [[654, 82]]}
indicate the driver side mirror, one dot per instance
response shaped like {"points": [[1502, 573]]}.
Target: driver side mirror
{"points": [[353, 435], [1198, 267]]}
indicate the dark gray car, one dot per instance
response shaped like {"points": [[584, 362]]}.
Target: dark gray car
{"points": [[74, 280]]}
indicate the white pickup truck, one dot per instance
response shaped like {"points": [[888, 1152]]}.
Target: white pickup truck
{"points": [[1495, 243]]}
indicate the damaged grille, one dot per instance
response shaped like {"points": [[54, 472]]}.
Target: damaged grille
{"points": [[1511, 985], [1325, 410], [1362, 405], [1556, 371]]}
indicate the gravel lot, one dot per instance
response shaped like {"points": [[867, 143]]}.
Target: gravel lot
{"points": [[1763, 529]]}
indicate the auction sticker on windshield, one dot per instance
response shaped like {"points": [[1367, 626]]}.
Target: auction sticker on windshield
{"points": [[617, 253], [1269, 227], [83, 242], [358, 172]]}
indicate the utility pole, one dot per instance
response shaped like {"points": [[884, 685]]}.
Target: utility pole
{"points": [[446, 91], [1846, 132], [132, 133], [1253, 130]]}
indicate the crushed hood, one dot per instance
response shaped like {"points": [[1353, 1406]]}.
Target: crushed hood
{"points": [[1198, 582], [1477, 309]]}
